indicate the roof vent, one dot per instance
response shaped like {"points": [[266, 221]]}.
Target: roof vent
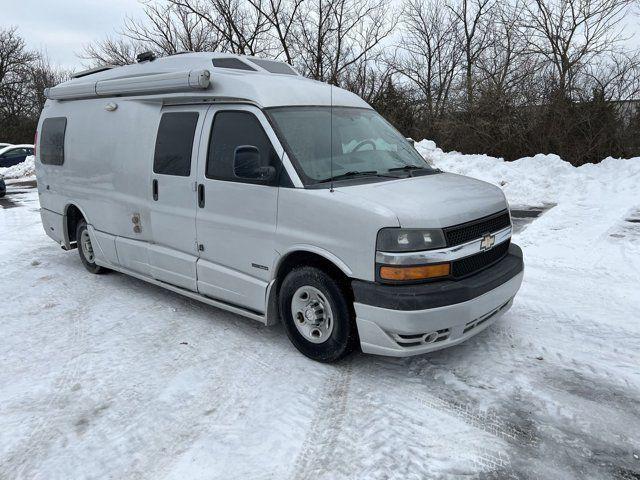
{"points": [[146, 57]]}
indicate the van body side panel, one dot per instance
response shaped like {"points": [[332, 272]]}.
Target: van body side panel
{"points": [[312, 217], [133, 255], [106, 164], [172, 266], [53, 224], [104, 247]]}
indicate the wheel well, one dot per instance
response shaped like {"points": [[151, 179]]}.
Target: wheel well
{"points": [[303, 258], [300, 259], [74, 215]]}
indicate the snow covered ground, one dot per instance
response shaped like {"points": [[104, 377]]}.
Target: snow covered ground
{"points": [[21, 170], [109, 377]]}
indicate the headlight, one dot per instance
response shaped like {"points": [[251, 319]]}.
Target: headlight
{"points": [[409, 240]]}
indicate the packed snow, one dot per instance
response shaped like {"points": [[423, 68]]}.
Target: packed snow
{"points": [[109, 377], [21, 170]]}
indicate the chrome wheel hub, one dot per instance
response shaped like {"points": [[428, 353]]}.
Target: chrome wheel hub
{"points": [[312, 314], [85, 244]]}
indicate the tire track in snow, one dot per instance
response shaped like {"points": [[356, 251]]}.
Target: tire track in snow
{"points": [[486, 460], [329, 414], [25, 457]]}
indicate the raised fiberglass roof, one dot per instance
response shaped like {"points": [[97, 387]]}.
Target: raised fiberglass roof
{"points": [[267, 83]]}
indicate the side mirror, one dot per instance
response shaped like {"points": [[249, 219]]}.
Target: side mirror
{"points": [[246, 165]]}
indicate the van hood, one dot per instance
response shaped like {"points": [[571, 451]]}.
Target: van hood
{"points": [[433, 201]]}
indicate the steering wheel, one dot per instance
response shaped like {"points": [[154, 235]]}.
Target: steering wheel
{"points": [[363, 143]]}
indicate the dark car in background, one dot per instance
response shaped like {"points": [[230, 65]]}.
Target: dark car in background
{"points": [[14, 154]]}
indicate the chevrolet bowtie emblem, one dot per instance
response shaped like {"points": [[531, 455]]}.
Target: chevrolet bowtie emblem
{"points": [[487, 242]]}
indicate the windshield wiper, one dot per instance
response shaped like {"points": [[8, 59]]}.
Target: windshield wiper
{"points": [[406, 168], [412, 168], [354, 173]]}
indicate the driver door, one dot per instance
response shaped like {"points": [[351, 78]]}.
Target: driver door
{"points": [[236, 217]]}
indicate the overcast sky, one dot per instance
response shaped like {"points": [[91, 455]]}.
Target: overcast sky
{"points": [[62, 27]]}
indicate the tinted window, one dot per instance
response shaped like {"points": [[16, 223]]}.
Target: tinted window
{"points": [[231, 63], [52, 141], [231, 130], [175, 143], [274, 67], [18, 152]]}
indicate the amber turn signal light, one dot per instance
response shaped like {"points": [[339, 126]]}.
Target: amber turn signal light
{"points": [[421, 272]]}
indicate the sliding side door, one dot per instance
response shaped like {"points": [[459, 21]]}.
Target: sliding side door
{"points": [[172, 188]]}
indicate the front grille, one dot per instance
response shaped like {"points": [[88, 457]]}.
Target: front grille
{"points": [[475, 229], [472, 264]]}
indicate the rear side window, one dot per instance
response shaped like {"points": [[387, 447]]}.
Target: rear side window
{"points": [[174, 143], [52, 141], [231, 130], [273, 66], [232, 63]]}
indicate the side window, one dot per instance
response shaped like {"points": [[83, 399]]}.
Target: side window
{"points": [[174, 143], [235, 133], [16, 152], [52, 141]]}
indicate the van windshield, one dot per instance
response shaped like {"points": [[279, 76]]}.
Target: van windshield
{"points": [[363, 144]]}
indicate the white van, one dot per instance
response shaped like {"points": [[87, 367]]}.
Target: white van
{"points": [[235, 181]]}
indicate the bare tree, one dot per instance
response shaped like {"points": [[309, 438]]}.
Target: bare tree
{"points": [[15, 61], [112, 51], [429, 53], [165, 29], [569, 34], [240, 27], [334, 36], [24, 75], [473, 16], [281, 16], [505, 65], [43, 74]]}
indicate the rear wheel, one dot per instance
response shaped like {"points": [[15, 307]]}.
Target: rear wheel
{"points": [[85, 249], [317, 314]]}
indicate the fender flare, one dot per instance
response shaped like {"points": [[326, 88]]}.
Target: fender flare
{"points": [[341, 265]]}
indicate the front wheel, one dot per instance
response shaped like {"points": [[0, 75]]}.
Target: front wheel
{"points": [[317, 314], [85, 249]]}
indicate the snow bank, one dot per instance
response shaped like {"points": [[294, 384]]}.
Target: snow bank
{"points": [[592, 204], [21, 170], [534, 180]]}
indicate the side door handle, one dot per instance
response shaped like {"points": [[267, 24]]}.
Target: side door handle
{"points": [[201, 195], [154, 188]]}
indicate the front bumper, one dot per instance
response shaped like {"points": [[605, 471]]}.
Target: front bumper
{"points": [[402, 321]]}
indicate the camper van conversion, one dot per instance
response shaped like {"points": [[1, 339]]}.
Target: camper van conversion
{"points": [[236, 181]]}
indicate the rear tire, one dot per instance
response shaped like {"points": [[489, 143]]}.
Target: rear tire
{"points": [[317, 314], [85, 249]]}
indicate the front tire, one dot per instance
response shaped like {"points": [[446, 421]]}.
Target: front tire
{"points": [[85, 249], [317, 314]]}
